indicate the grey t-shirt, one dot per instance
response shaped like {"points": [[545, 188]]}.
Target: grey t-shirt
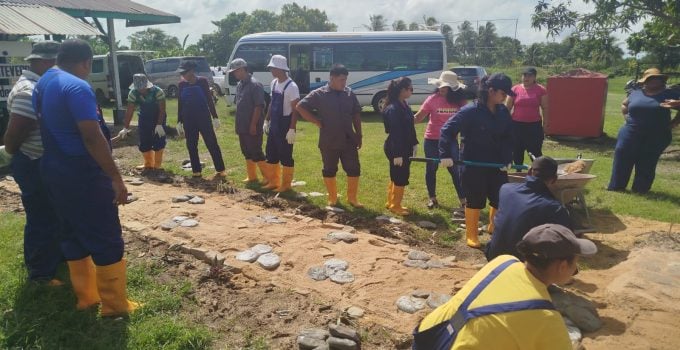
{"points": [[249, 94], [335, 110]]}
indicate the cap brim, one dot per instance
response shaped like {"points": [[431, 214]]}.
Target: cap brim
{"points": [[643, 79], [511, 93], [586, 246], [40, 57]]}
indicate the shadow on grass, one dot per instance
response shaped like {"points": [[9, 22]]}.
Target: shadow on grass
{"points": [[602, 144], [45, 318], [660, 196]]}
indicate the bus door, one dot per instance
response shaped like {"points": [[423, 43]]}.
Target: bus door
{"points": [[299, 66]]}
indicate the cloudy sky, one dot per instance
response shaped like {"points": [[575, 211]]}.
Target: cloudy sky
{"points": [[350, 15]]}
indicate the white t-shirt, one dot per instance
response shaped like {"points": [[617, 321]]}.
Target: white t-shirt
{"points": [[291, 94]]}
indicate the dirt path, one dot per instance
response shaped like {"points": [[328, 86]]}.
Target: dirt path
{"points": [[228, 224]]}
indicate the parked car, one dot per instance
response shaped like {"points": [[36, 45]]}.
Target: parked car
{"points": [[129, 64], [471, 76], [163, 72], [220, 79]]}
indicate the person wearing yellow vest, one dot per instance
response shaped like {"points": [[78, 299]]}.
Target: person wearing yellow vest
{"points": [[506, 305]]}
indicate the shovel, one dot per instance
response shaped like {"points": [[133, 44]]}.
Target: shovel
{"points": [[471, 163]]}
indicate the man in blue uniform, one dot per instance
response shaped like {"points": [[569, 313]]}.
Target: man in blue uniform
{"points": [[41, 245], [485, 127], [523, 206], [82, 180]]}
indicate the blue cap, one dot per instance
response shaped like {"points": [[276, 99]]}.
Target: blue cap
{"points": [[500, 81]]}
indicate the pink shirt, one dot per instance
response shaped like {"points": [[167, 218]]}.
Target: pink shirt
{"points": [[440, 111], [527, 103]]}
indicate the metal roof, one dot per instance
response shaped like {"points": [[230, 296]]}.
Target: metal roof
{"points": [[33, 19], [135, 14]]}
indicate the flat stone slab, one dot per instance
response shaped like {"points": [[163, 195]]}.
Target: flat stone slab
{"points": [[317, 273], [180, 199], [578, 309], [342, 344], [168, 225], [301, 195], [334, 209], [333, 265], [435, 300], [336, 236], [342, 277], [179, 218], [418, 255], [269, 261], [435, 264], [189, 223], [426, 224], [410, 304], [315, 333], [247, 256], [355, 312], [298, 183], [197, 200], [344, 332], [315, 194], [389, 219], [415, 263], [309, 343], [422, 294], [261, 249], [136, 182]]}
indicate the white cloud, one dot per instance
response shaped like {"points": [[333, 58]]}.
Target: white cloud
{"points": [[350, 15]]}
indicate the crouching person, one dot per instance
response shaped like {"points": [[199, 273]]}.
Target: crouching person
{"points": [[506, 305]]}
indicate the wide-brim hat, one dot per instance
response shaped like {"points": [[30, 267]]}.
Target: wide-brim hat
{"points": [[447, 78], [140, 81], [280, 62], [652, 72]]}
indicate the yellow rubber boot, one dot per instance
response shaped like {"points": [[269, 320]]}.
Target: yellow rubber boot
{"points": [[158, 159], [397, 197], [352, 190], [251, 170], [148, 161], [84, 282], [390, 195], [275, 179], [265, 171], [332, 188], [492, 217], [112, 286], [286, 179], [472, 227]]}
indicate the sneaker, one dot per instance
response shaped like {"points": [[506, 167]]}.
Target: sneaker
{"points": [[432, 203]]}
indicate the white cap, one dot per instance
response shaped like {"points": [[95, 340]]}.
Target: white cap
{"points": [[278, 61]]}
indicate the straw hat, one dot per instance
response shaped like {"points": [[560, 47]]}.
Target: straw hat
{"points": [[652, 72], [447, 78]]}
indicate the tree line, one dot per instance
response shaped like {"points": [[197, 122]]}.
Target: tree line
{"points": [[590, 45]]}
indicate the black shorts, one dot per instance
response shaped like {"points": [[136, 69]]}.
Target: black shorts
{"points": [[480, 184]]}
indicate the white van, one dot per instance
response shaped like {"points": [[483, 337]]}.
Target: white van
{"points": [[163, 72], [129, 64]]}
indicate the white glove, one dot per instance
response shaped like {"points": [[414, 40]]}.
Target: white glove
{"points": [[446, 162], [123, 133], [180, 129], [415, 151], [160, 131], [265, 128], [290, 136], [216, 123], [399, 161], [506, 168]]}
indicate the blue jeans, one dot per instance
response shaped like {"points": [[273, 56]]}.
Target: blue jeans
{"points": [[432, 151], [41, 233]]}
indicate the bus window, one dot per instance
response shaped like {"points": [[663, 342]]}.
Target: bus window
{"points": [[322, 58], [299, 66], [258, 55]]}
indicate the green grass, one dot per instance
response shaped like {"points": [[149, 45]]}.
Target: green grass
{"points": [[39, 317], [660, 204]]}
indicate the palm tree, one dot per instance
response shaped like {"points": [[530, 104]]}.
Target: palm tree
{"points": [[378, 23], [399, 25]]}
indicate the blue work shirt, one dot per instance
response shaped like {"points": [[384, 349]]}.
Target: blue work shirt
{"points": [[644, 112], [484, 136], [65, 101], [400, 130], [523, 206]]}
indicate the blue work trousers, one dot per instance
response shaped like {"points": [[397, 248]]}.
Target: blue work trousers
{"points": [[278, 149], [528, 137], [432, 151], [42, 253], [640, 150], [202, 125]]}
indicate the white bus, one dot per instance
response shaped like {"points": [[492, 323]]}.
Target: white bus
{"points": [[372, 58]]}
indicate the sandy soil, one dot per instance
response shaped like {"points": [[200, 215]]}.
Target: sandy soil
{"points": [[227, 225]]}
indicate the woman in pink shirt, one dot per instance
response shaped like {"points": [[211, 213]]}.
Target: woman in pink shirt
{"points": [[531, 99], [440, 106]]}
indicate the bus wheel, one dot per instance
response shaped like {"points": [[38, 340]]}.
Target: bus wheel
{"points": [[379, 101], [172, 91]]}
